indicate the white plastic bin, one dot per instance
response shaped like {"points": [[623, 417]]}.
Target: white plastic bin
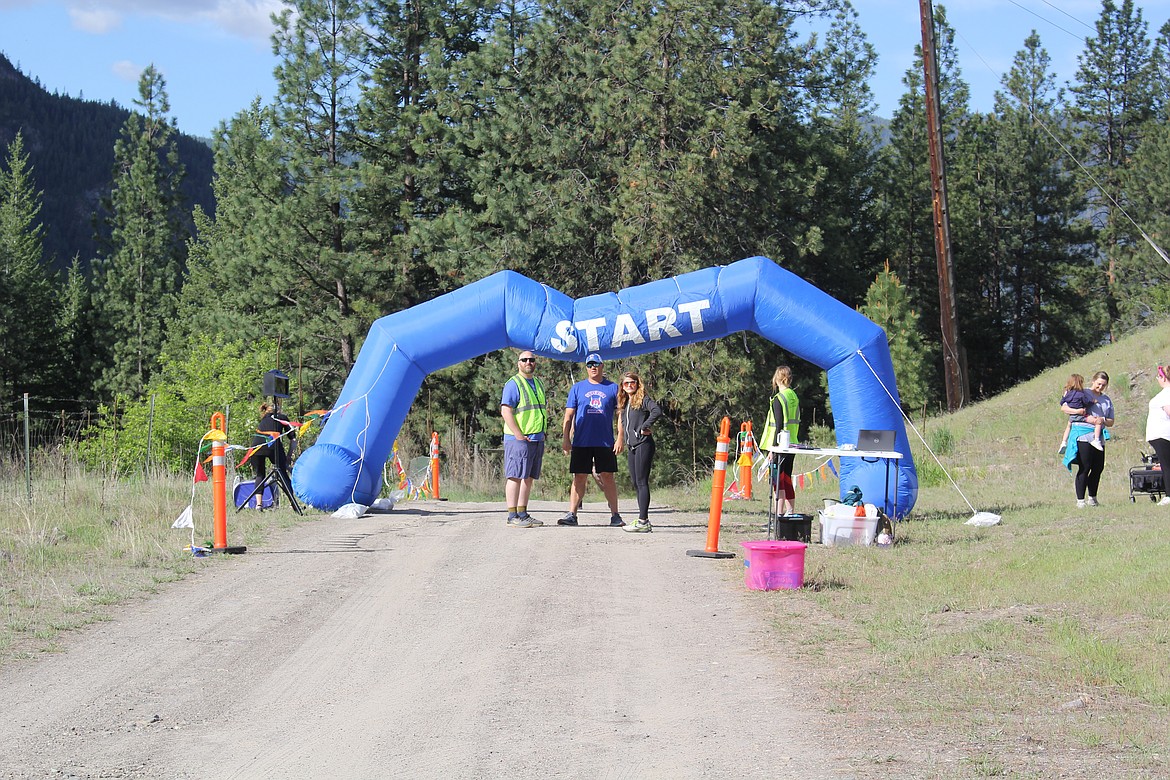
{"points": [[841, 530]]}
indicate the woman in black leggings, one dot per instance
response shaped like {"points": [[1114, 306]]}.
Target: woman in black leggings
{"points": [[636, 413], [1089, 460]]}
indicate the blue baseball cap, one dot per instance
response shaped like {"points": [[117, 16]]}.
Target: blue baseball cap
{"points": [[593, 357]]}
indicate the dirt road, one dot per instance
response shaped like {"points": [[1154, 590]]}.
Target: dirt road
{"points": [[428, 642]]}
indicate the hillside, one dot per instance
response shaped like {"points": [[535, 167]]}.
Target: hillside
{"points": [[70, 144]]}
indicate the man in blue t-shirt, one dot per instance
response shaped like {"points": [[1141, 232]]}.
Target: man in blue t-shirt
{"points": [[589, 438]]}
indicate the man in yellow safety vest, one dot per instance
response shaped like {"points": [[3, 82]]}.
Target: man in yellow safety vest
{"points": [[525, 412]]}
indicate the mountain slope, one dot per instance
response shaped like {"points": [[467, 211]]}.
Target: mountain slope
{"points": [[70, 144]]}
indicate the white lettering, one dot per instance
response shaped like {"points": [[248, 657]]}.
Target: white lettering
{"points": [[625, 330], [568, 338], [693, 309], [591, 327], [660, 323], [659, 320]]}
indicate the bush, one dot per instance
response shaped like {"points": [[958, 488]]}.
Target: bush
{"points": [[174, 416]]}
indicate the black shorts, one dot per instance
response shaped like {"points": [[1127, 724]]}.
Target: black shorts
{"points": [[586, 460]]}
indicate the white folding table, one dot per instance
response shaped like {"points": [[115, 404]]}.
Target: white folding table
{"points": [[871, 456]]}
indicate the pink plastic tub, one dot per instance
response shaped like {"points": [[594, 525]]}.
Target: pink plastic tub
{"points": [[773, 565]]}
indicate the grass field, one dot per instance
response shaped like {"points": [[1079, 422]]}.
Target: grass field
{"points": [[1041, 645]]}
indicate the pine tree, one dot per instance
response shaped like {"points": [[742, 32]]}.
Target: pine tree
{"points": [[137, 280], [29, 341], [315, 276], [412, 135], [888, 304], [1016, 208], [1116, 99], [847, 146], [1046, 240], [76, 319], [1145, 285], [282, 260], [227, 289]]}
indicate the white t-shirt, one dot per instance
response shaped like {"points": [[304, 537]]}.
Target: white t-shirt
{"points": [[1158, 423]]}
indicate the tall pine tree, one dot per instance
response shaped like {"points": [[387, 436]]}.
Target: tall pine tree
{"points": [[29, 340], [1116, 99], [137, 278]]}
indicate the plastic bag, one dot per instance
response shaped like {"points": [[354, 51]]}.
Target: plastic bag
{"points": [[350, 511]]}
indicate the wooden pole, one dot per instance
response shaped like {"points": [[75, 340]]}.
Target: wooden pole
{"points": [[948, 316]]}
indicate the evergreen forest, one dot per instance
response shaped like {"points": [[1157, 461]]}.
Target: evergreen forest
{"points": [[591, 145]]}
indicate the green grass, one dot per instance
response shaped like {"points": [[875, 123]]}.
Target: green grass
{"points": [[1052, 628]]}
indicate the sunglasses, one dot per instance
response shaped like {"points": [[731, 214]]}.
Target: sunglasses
{"points": [[630, 383], [592, 365], [527, 360]]}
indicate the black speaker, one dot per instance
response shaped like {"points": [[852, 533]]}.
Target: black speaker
{"points": [[276, 384]]}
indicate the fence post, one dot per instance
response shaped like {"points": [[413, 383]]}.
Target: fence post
{"points": [[149, 434], [27, 453], [718, 480]]}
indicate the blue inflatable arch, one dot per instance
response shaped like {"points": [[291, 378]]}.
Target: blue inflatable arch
{"points": [[510, 310]]}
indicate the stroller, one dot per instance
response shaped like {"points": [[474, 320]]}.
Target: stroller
{"points": [[1146, 478]]}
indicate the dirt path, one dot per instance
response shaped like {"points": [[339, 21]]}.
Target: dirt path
{"points": [[429, 642]]}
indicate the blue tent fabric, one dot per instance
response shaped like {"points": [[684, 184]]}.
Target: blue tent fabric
{"points": [[510, 310]]}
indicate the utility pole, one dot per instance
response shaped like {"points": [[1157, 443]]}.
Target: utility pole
{"points": [[949, 321]]}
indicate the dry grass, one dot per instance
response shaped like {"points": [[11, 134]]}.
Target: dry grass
{"points": [[86, 544]]}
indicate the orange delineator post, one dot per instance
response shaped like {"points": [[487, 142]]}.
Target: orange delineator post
{"points": [[435, 466], [218, 436], [747, 455], [718, 480], [218, 483]]}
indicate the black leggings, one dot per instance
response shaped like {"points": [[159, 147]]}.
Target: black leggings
{"points": [[640, 459], [1090, 464], [1162, 450]]}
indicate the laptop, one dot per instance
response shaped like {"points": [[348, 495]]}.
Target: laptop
{"points": [[875, 441]]}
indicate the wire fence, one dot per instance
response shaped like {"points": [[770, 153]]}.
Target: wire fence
{"points": [[45, 443], [54, 448]]}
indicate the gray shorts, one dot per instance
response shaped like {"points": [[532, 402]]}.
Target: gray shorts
{"points": [[523, 459]]}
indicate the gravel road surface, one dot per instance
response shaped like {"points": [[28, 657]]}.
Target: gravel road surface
{"points": [[432, 641]]}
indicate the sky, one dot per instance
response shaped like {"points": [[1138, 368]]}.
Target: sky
{"points": [[216, 55]]}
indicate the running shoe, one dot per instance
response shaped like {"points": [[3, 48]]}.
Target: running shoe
{"points": [[639, 527], [615, 521], [519, 522], [568, 519]]}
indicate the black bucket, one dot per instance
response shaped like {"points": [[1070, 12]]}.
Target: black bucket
{"points": [[790, 528]]}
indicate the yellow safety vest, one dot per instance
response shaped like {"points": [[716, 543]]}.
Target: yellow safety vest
{"points": [[531, 415], [788, 407]]}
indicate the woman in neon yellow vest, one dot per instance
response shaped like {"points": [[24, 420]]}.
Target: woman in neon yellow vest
{"points": [[783, 416]]}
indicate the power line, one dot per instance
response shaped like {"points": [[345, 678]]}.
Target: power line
{"points": [[1048, 21], [1068, 152]]}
